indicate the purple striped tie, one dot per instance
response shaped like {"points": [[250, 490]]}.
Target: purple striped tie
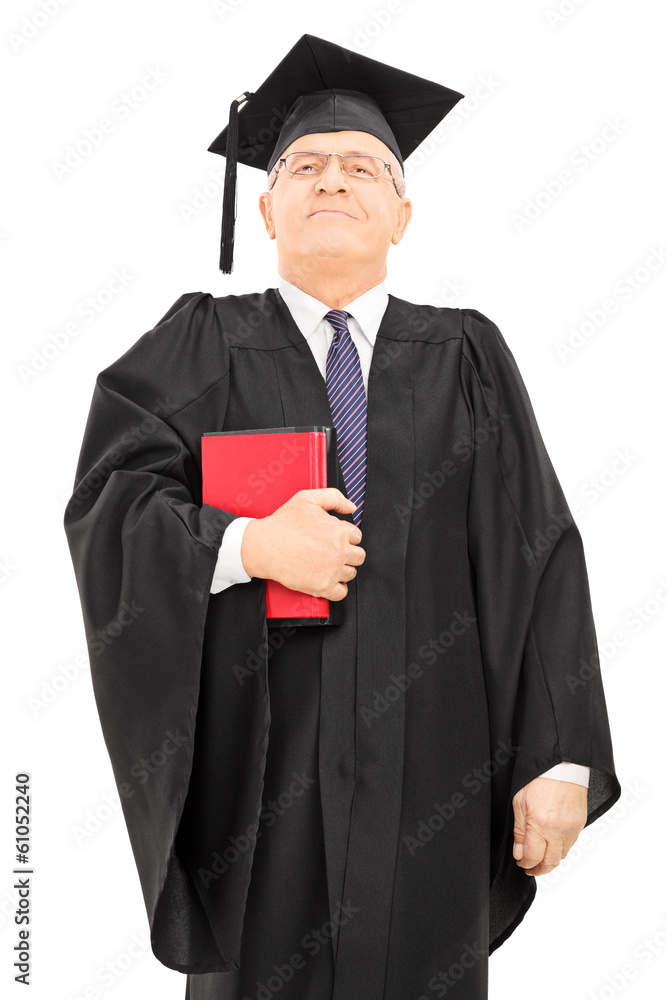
{"points": [[347, 400]]}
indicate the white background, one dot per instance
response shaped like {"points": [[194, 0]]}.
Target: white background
{"points": [[540, 88]]}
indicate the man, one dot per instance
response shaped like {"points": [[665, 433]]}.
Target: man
{"points": [[359, 810]]}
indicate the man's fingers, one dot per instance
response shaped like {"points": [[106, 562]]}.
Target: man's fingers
{"points": [[330, 498], [552, 858], [534, 848], [356, 556]]}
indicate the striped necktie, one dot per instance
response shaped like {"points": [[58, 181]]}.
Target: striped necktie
{"points": [[347, 400]]}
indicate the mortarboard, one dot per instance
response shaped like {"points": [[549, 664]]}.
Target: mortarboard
{"points": [[323, 87]]}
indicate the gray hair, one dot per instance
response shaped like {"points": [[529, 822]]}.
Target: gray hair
{"points": [[396, 173]]}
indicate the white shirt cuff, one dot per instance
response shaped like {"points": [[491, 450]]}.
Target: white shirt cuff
{"points": [[566, 771], [229, 567]]}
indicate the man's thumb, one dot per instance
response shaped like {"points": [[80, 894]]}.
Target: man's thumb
{"points": [[332, 499]]}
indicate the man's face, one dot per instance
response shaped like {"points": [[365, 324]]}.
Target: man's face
{"points": [[332, 214]]}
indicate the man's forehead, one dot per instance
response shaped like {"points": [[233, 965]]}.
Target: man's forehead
{"points": [[341, 142]]}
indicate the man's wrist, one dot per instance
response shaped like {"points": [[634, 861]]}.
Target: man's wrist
{"points": [[251, 548]]}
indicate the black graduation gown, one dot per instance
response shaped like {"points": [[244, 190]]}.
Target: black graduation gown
{"points": [[324, 813]]}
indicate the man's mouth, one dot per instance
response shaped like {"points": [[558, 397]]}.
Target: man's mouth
{"points": [[331, 211]]}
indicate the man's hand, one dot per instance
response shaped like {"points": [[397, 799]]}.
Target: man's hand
{"points": [[549, 815], [303, 547]]}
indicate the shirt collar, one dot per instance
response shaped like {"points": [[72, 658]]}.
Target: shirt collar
{"points": [[367, 310]]}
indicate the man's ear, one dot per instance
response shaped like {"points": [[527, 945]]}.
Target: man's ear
{"points": [[403, 216], [266, 208]]}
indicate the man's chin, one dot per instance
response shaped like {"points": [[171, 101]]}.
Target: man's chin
{"points": [[331, 245]]}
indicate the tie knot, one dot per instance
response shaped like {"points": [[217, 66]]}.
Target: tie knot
{"points": [[338, 319]]}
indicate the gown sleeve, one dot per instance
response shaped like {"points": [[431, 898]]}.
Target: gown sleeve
{"points": [[536, 627], [144, 550]]}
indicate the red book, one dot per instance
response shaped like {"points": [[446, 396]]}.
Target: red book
{"points": [[252, 473]]}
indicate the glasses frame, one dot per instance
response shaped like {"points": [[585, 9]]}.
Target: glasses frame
{"points": [[317, 152]]}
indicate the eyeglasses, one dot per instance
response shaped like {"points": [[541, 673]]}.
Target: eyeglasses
{"points": [[363, 166]]}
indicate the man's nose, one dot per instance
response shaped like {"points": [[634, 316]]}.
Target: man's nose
{"points": [[336, 175]]}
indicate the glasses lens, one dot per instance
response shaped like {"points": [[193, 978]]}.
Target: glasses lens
{"points": [[305, 163], [361, 165], [356, 164]]}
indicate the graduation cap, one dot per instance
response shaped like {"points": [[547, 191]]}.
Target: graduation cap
{"points": [[323, 87]]}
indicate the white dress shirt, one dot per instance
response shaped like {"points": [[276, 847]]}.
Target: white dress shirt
{"points": [[366, 314]]}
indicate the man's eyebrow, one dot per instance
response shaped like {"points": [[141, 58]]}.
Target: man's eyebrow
{"points": [[348, 152]]}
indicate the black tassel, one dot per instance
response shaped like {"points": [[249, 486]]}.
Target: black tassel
{"points": [[229, 194]]}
